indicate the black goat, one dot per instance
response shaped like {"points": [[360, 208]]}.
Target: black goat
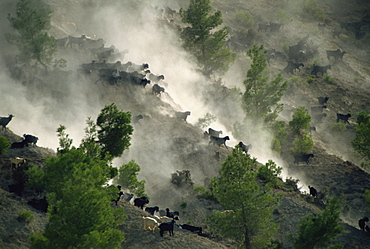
{"points": [[167, 226], [337, 54], [362, 223], [137, 118], [182, 115], [343, 117], [141, 201], [319, 69], [292, 66], [303, 158], [244, 147], [192, 228], [171, 214], [4, 121], [29, 139], [18, 145], [313, 191], [152, 210], [219, 140], [323, 100], [157, 89]]}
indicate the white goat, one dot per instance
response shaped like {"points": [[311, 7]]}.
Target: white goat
{"points": [[150, 224]]}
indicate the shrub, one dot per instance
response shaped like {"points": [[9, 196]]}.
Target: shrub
{"points": [[244, 18], [183, 205], [269, 174], [203, 193], [338, 127], [25, 216], [206, 121], [301, 120], [327, 78], [309, 79], [302, 144], [292, 183], [283, 16], [4, 145], [312, 9]]}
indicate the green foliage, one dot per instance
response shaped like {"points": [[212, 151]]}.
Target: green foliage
{"points": [[64, 141], [115, 130], [269, 173], [327, 78], [280, 134], [361, 143], [127, 178], [203, 193], [367, 198], [183, 205], [292, 184], [313, 10], [244, 18], [35, 178], [282, 16], [260, 99], [4, 145], [206, 121], [31, 22], [302, 144], [319, 231], [25, 216], [250, 205], [301, 120], [203, 40], [338, 127], [309, 79]]}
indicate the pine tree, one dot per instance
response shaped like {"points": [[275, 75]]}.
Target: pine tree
{"points": [[260, 99], [201, 39], [361, 143], [250, 205], [31, 23]]}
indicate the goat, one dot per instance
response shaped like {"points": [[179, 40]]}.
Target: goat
{"points": [[312, 128], [168, 226], [367, 228], [17, 161], [164, 219], [191, 228], [219, 140], [275, 27], [337, 54], [303, 158], [212, 132], [29, 139], [244, 147], [150, 223], [343, 117], [4, 121], [18, 145], [127, 196], [134, 67], [76, 40], [293, 66], [318, 109], [171, 214], [323, 100], [137, 118], [182, 115], [157, 89], [362, 223], [320, 69], [336, 33], [321, 27], [152, 210], [313, 191], [155, 78], [141, 201], [263, 27]]}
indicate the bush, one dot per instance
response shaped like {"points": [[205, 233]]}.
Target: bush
{"points": [[283, 16], [327, 78], [182, 178], [183, 205], [313, 10], [269, 174], [4, 145], [203, 193], [338, 127], [309, 79], [206, 121], [302, 144], [244, 18], [292, 183], [301, 120], [25, 216]]}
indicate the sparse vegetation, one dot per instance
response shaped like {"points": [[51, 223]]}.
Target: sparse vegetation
{"points": [[312, 9], [292, 184], [338, 127], [361, 143], [4, 145], [206, 121], [327, 78], [309, 79], [203, 193], [25, 216], [244, 19]]}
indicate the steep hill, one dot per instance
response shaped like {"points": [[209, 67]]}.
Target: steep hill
{"points": [[162, 144]]}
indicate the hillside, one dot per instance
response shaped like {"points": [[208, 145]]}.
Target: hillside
{"points": [[162, 144]]}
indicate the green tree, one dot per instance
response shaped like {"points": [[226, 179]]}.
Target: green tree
{"points": [[361, 143], [4, 145], [115, 130], [319, 231], [251, 204], [260, 99], [302, 144], [127, 178], [204, 39], [31, 22], [301, 120]]}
